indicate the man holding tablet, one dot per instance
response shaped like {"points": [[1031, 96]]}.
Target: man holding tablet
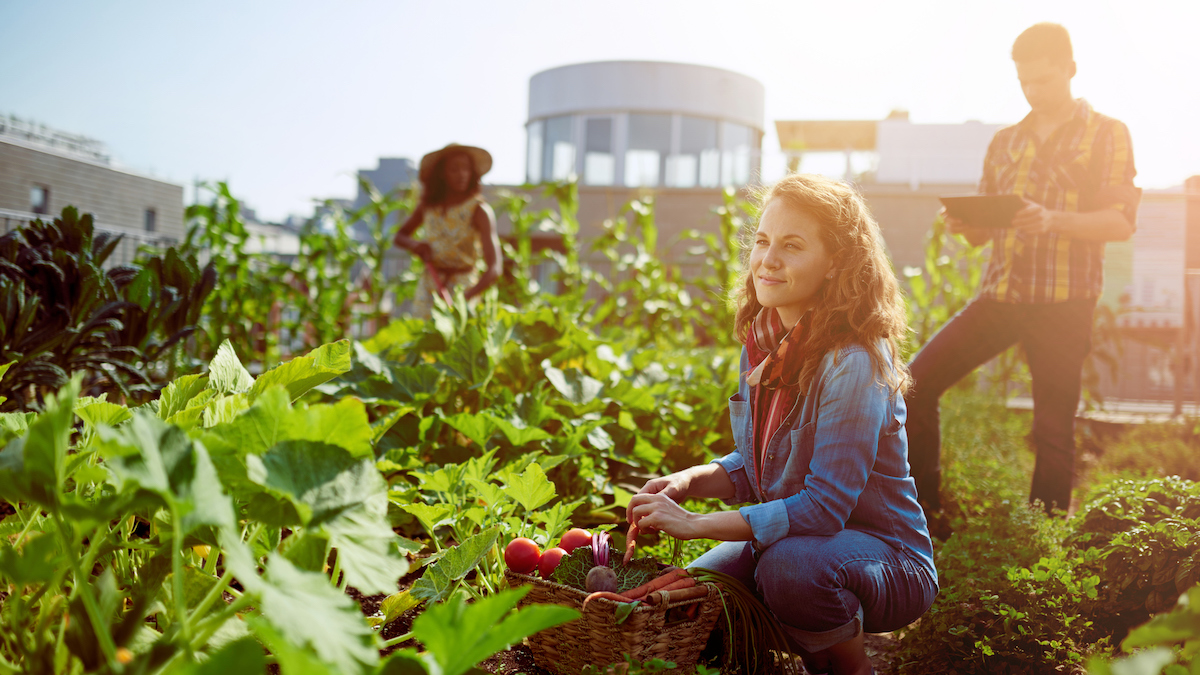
{"points": [[1074, 169]]}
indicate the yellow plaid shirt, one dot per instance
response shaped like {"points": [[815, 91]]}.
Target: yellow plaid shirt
{"points": [[1085, 165]]}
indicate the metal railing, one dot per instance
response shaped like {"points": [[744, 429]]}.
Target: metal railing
{"points": [[126, 250]]}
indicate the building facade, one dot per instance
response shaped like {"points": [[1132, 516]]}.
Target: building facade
{"points": [[43, 170], [638, 124]]}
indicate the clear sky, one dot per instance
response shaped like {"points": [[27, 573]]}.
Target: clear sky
{"points": [[286, 100]]}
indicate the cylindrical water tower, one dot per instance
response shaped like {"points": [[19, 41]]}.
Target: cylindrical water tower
{"points": [[644, 124]]}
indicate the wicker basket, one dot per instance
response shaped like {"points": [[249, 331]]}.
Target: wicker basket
{"points": [[663, 631]]}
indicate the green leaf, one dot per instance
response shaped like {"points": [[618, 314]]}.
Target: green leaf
{"points": [[226, 372], [102, 412], [468, 360], [311, 614], [573, 384], [441, 577], [150, 455], [557, 518], [322, 481], [531, 489], [430, 515], [16, 423], [460, 635], [305, 372], [224, 409], [478, 428], [32, 466], [518, 435], [397, 604], [178, 395], [364, 542], [240, 657], [38, 561], [272, 420]]}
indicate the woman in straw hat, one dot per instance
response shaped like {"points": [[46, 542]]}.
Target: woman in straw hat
{"points": [[460, 228]]}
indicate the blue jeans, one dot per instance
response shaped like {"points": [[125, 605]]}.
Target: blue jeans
{"points": [[825, 589], [1056, 338]]}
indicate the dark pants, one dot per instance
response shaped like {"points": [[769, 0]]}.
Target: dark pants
{"points": [[1056, 338]]}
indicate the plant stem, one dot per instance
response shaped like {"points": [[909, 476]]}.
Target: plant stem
{"points": [[89, 603], [214, 594], [337, 569], [212, 624], [397, 640], [177, 580]]}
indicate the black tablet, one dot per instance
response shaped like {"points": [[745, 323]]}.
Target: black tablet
{"points": [[984, 210]]}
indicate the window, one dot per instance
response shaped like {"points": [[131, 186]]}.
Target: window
{"points": [[151, 220], [649, 143], [39, 199], [699, 159], [599, 164], [738, 155], [558, 158], [533, 156]]}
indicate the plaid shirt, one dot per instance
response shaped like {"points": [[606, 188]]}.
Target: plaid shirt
{"points": [[1085, 165]]}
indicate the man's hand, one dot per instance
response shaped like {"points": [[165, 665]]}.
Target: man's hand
{"points": [[977, 236], [1035, 219]]}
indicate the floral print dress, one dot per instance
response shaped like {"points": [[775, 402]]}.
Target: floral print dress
{"points": [[456, 250]]}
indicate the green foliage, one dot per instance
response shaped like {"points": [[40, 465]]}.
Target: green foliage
{"points": [[107, 522], [1170, 641], [61, 312]]}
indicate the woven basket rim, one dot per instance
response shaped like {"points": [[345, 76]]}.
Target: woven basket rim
{"points": [[641, 606]]}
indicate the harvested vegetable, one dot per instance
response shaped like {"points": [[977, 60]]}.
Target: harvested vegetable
{"points": [[630, 543], [600, 548], [522, 555], [549, 561], [573, 570], [574, 538], [601, 579], [607, 595], [659, 582]]}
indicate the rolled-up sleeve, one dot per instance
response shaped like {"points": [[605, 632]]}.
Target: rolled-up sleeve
{"points": [[735, 466], [851, 416], [1114, 171]]}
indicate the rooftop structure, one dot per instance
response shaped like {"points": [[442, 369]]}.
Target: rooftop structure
{"points": [[903, 152], [644, 124]]}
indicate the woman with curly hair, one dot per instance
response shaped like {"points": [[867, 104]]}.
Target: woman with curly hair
{"points": [[460, 228], [832, 537]]}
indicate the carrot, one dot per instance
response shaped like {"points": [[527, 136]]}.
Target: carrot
{"points": [[677, 595], [607, 595], [657, 583], [686, 582], [630, 543]]}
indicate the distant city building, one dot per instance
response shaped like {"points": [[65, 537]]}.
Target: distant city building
{"points": [[43, 170], [393, 173], [902, 153], [644, 124]]}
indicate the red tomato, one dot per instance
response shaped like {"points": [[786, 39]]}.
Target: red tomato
{"points": [[575, 538], [522, 555], [550, 560]]}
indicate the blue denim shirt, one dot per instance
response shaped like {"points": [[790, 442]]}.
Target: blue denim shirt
{"points": [[839, 460]]}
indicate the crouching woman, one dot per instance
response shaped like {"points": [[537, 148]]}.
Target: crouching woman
{"points": [[832, 537]]}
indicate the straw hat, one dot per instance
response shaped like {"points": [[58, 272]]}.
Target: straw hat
{"points": [[480, 157]]}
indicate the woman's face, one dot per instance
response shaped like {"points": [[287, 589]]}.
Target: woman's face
{"points": [[788, 261], [458, 171]]}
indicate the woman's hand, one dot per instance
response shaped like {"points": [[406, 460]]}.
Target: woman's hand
{"points": [[675, 486], [657, 511]]}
